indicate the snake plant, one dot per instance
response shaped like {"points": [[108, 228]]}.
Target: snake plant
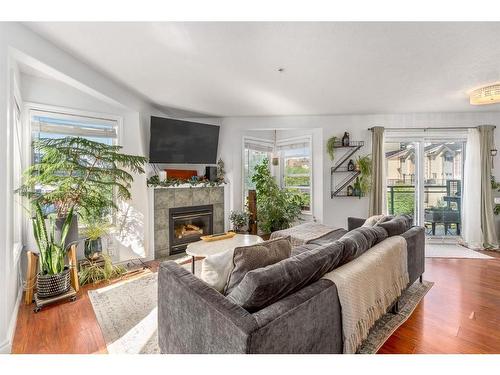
{"points": [[52, 250]]}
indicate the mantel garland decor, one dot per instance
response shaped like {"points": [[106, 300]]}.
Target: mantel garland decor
{"points": [[154, 181]]}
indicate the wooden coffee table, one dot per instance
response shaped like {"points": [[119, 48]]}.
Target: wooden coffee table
{"points": [[206, 248]]}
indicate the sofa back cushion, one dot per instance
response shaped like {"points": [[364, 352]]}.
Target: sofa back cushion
{"points": [[397, 225], [358, 241], [264, 286], [248, 258]]}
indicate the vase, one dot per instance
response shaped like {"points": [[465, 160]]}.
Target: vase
{"points": [[53, 285], [93, 248]]}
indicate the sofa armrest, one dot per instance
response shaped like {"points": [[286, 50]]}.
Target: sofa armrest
{"points": [[354, 222], [307, 321], [195, 318], [415, 240]]}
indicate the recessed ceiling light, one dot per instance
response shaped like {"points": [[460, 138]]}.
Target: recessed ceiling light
{"points": [[485, 95]]}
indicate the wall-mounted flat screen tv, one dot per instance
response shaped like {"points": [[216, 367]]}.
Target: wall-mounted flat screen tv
{"points": [[177, 141]]}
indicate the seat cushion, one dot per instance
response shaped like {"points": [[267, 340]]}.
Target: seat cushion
{"points": [[264, 286], [248, 258]]}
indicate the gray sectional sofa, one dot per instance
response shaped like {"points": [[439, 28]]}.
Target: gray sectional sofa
{"points": [[299, 311]]}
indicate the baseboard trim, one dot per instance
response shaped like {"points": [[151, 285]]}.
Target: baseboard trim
{"points": [[6, 346]]}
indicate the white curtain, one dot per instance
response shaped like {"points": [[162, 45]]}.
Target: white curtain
{"points": [[471, 207]]}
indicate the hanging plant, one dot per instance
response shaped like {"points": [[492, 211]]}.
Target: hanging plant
{"points": [[330, 147]]}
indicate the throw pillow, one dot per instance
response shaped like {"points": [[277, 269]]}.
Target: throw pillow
{"points": [[215, 270], [396, 226], [372, 220], [264, 286], [248, 258]]}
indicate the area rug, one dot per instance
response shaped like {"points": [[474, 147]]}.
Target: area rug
{"points": [[127, 314], [445, 250]]}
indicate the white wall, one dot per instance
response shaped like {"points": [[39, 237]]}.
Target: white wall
{"points": [[336, 210]]}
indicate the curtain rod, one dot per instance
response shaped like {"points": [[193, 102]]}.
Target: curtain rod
{"points": [[436, 128]]}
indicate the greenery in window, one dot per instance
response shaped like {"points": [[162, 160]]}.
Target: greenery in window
{"points": [[75, 172], [276, 208]]}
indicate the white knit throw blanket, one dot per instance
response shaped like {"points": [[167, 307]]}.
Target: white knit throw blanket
{"points": [[367, 286], [303, 233]]}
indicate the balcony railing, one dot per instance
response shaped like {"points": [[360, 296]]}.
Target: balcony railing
{"points": [[442, 213]]}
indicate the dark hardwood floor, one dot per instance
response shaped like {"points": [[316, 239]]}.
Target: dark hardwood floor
{"points": [[460, 314]]}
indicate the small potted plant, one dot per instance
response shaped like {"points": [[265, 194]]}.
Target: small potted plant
{"points": [[53, 278], [239, 219], [93, 232]]}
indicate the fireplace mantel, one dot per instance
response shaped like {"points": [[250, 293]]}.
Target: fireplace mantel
{"points": [[165, 198]]}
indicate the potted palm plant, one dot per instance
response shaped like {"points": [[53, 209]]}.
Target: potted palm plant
{"points": [[80, 174], [53, 277]]}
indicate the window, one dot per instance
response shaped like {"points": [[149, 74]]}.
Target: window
{"points": [[296, 170], [255, 151], [56, 124]]}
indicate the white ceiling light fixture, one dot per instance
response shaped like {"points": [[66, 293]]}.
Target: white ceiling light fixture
{"points": [[485, 95]]}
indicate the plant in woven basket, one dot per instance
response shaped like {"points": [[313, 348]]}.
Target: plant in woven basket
{"points": [[94, 272], [52, 250], [53, 278]]}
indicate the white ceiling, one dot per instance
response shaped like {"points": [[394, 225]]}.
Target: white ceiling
{"points": [[230, 69]]}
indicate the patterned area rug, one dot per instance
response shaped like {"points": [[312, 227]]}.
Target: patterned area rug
{"points": [[437, 250], [127, 314]]}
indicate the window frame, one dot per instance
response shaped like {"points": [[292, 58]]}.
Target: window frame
{"points": [[255, 140], [292, 141], [30, 108]]}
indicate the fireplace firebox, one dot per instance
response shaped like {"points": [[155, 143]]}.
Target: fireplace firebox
{"points": [[188, 224]]}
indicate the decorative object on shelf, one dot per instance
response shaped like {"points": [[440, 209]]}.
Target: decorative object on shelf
{"points": [[350, 166], [276, 208], [341, 174], [345, 140], [221, 171], [211, 173], [350, 191], [218, 236], [162, 175], [182, 174], [330, 146], [239, 219], [357, 188], [94, 271]]}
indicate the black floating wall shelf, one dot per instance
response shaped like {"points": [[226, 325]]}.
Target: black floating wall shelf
{"points": [[341, 177]]}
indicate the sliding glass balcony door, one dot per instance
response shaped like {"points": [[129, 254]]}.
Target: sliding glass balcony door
{"points": [[424, 178]]}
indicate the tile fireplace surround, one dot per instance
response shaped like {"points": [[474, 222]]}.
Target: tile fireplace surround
{"points": [[175, 197]]}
